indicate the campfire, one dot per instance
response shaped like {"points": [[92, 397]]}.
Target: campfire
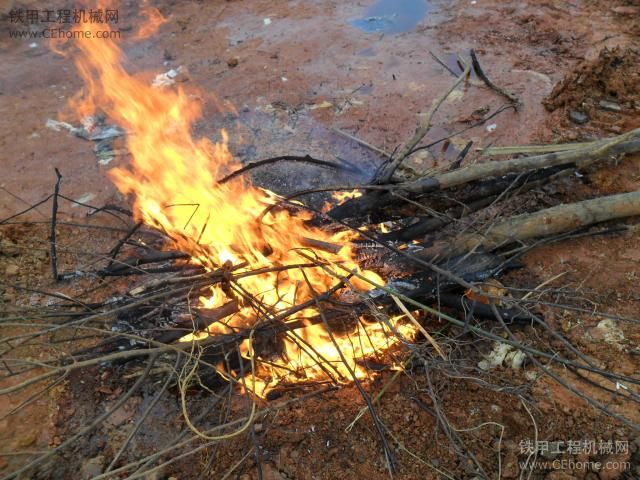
{"points": [[264, 250], [273, 267], [238, 290]]}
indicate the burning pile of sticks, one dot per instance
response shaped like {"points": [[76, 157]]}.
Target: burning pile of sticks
{"points": [[449, 271], [433, 268]]}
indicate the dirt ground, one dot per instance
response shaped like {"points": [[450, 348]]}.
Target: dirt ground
{"points": [[281, 77]]}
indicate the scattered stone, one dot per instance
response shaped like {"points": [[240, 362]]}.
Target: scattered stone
{"points": [[170, 77], [608, 331], [609, 105], [233, 62], [502, 354], [87, 197], [578, 117]]}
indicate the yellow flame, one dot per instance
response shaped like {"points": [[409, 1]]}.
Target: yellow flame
{"points": [[172, 181]]}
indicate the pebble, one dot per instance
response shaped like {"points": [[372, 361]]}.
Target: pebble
{"points": [[233, 62], [610, 106], [578, 117]]}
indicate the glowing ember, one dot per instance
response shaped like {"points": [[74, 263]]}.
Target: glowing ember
{"points": [[172, 181]]}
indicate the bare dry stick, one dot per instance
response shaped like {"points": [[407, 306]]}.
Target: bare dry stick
{"points": [[54, 215], [550, 221], [517, 149], [476, 66], [361, 142], [626, 143], [424, 332]]}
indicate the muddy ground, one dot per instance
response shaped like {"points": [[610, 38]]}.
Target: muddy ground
{"points": [[281, 76]]}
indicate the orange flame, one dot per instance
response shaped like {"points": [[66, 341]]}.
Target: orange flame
{"points": [[153, 20], [172, 181]]}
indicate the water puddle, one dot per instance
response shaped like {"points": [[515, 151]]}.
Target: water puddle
{"points": [[392, 16]]}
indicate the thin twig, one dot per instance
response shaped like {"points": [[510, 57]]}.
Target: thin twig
{"points": [[288, 158], [54, 215], [476, 66]]}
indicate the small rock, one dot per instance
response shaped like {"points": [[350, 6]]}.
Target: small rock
{"points": [[12, 269], [608, 331], [578, 117], [610, 106], [233, 62]]}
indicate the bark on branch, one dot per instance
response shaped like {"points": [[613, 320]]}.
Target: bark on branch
{"points": [[550, 221]]}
